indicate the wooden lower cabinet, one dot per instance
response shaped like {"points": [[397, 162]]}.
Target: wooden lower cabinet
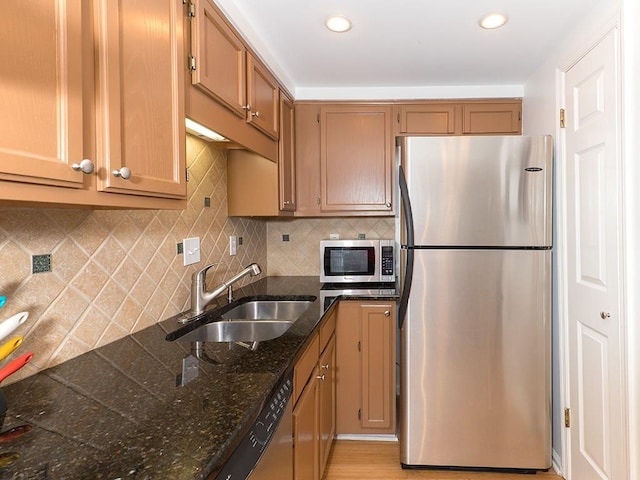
{"points": [[314, 408], [365, 360]]}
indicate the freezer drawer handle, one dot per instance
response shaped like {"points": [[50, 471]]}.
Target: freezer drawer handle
{"points": [[605, 315]]}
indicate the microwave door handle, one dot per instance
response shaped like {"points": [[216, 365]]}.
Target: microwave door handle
{"points": [[408, 276]]}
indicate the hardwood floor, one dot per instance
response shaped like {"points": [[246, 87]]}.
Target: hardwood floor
{"points": [[359, 460]]}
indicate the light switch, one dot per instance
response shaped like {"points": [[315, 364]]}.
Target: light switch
{"points": [[191, 252]]}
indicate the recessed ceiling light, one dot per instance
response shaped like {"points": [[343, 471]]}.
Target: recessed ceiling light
{"points": [[338, 23], [493, 20]]}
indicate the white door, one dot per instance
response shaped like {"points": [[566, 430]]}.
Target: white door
{"points": [[597, 434]]}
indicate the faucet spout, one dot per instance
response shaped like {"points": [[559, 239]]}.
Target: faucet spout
{"points": [[201, 297]]}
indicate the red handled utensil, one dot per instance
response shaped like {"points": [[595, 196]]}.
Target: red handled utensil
{"points": [[15, 432], [14, 365]]}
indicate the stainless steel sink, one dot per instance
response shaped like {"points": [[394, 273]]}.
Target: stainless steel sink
{"points": [[252, 321], [238, 331], [268, 310]]}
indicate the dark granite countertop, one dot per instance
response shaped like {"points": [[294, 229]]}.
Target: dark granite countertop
{"points": [[120, 411]]}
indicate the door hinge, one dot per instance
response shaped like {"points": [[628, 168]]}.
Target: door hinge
{"points": [[318, 200], [567, 417], [318, 118], [191, 10], [186, 174], [359, 414], [192, 63], [562, 118], [359, 346]]}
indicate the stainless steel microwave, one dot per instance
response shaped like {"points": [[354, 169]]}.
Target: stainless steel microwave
{"points": [[356, 261]]}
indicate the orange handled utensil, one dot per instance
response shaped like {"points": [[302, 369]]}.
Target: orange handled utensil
{"points": [[9, 347], [14, 365]]}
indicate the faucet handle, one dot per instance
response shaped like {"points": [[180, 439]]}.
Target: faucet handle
{"points": [[200, 275]]}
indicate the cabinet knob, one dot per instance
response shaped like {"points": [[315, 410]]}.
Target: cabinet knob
{"points": [[124, 173], [255, 114], [247, 107], [287, 202], [605, 315], [85, 166], [325, 367], [320, 377], [388, 204], [387, 313]]}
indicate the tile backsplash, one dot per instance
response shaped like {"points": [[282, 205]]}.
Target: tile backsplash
{"points": [[300, 254], [114, 272]]}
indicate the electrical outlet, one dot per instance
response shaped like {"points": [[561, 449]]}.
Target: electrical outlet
{"points": [[233, 245], [191, 253], [334, 236]]}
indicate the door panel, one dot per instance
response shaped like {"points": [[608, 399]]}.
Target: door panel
{"points": [[597, 434]]}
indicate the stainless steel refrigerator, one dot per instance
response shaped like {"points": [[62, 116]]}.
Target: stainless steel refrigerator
{"points": [[475, 310]]}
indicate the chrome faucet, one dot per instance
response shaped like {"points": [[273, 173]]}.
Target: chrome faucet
{"points": [[200, 297]]}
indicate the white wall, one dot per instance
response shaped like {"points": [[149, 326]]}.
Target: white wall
{"points": [[541, 113], [631, 152]]}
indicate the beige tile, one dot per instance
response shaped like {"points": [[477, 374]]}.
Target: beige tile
{"points": [[91, 327]]}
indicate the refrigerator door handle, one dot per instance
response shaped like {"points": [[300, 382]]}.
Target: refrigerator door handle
{"points": [[408, 220]]}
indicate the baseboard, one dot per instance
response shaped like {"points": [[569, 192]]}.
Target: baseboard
{"points": [[556, 462], [367, 438]]}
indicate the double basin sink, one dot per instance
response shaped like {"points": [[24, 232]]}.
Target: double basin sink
{"points": [[249, 321]]}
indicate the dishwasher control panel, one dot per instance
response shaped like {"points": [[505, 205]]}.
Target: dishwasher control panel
{"points": [[245, 457]]}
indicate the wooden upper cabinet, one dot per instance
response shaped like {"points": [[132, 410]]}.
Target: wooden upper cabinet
{"points": [[262, 94], [492, 118], [356, 151], [434, 119], [219, 65], [307, 159], [224, 68], [459, 117], [41, 99], [286, 156], [140, 98]]}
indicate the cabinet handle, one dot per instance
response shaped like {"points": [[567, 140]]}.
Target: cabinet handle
{"points": [[255, 114], [387, 313], [320, 377], [124, 173], [287, 202], [605, 315], [85, 166]]}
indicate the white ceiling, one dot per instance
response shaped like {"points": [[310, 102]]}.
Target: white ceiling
{"points": [[403, 43]]}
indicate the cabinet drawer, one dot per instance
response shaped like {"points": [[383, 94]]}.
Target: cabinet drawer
{"points": [[305, 366], [326, 330]]}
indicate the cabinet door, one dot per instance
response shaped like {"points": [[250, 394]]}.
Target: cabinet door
{"points": [[327, 402], [305, 434], [365, 368], [492, 118], [41, 96], [262, 95], [219, 57], [140, 98], [355, 158], [286, 158], [378, 366], [419, 119], [307, 158]]}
